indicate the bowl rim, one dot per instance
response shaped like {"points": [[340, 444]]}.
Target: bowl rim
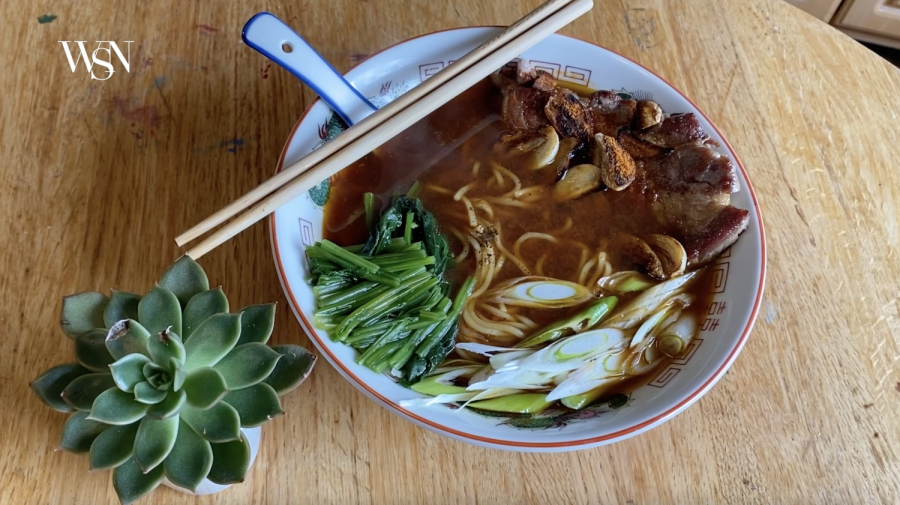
{"points": [[572, 444]]}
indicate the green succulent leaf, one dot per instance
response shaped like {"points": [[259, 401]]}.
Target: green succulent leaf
{"points": [[50, 385], [131, 483], [113, 447], [212, 340], [179, 374], [257, 323], [247, 365], [83, 391], [79, 433], [230, 461], [219, 423], [122, 305], [146, 393], [128, 371], [292, 369], [164, 346], [201, 307], [204, 388], [82, 312], [156, 380], [152, 368], [127, 337], [155, 439], [190, 460], [185, 278], [91, 352], [115, 406], [168, 407], [159, 310], [255, 404]]}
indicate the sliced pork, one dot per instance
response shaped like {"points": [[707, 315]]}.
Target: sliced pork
{"points": [[523, 108], [719, 234], [674, 131], [690, 193], [694, 168], [637, 148], [681, 186], [609, 112]]}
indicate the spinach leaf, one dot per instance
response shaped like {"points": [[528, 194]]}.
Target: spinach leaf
{"points": [[425, 231], [319, 266], [337, 279], [380, 236]]}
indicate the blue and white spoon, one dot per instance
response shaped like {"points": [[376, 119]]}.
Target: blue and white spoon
{"points": [[281, 44]]}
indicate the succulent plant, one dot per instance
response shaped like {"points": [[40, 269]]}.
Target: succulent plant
{"points": [[164, 383]]}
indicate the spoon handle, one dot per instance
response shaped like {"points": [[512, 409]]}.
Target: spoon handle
{"points": [[278, 42]]}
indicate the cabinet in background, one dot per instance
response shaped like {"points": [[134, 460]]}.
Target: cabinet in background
{"points": [[822, 9], [874, 21]]}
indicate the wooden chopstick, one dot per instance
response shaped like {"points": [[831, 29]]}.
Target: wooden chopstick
{"points": [[314, 158], [395, 124]]}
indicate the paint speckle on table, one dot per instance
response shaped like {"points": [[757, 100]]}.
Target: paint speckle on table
{"points": [[207, 30], [264, 70], [233, 145], [771, 313], [142, 118], [180, 63], [46, 18], [160, 81], [148, 62]]}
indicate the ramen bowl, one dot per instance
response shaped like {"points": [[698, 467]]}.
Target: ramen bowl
{"points": [[739, 274]]}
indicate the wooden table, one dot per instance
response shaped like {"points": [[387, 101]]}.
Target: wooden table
{"points": [[97, 178]]}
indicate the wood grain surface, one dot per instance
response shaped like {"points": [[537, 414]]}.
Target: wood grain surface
{"points": [[97, 178]]}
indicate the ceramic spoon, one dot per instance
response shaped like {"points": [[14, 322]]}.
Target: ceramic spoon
{"points": [[278, 42], [281, 44]]}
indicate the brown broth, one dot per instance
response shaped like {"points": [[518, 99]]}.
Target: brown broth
{"points": [[425, 152]]}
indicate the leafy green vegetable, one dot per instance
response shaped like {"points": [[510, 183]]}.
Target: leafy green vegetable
{"points": [[388, 297], [425, 230], [369, 204], [439, 342]]}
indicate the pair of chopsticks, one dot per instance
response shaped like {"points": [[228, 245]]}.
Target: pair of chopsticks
{"points": [[384, 124]]}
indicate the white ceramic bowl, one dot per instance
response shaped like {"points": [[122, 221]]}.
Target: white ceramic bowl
{"points": [[740, 272]]}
